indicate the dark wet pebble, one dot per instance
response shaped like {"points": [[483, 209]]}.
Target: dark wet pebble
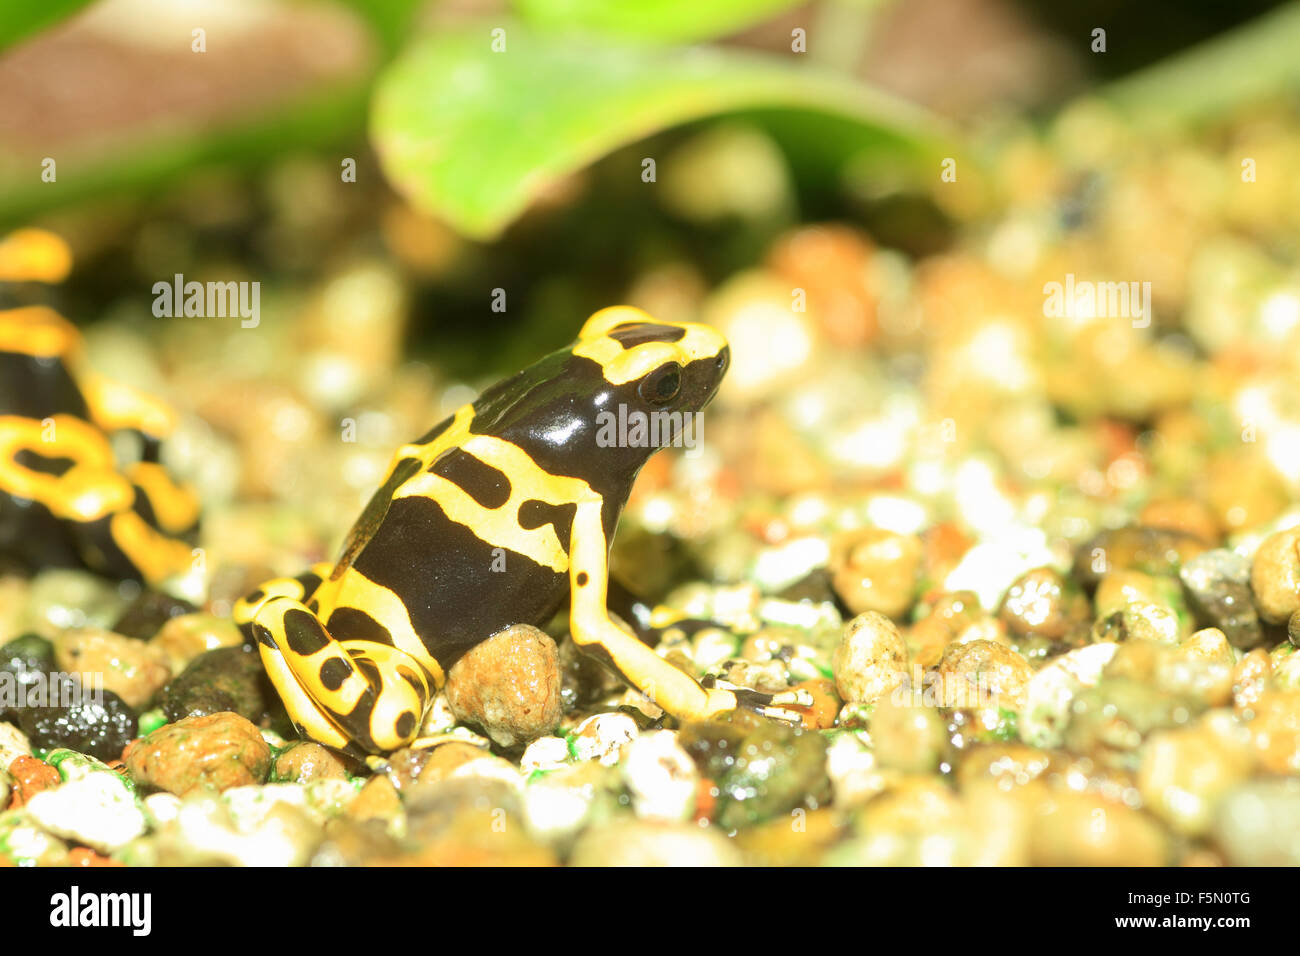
{"points": [[26, 660], [712, 745], [100, 727], [777, 769], [1149, 550], [1217, 584], [146, 615], [225, 679]]}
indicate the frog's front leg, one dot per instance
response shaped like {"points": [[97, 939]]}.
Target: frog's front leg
{"points": [[676, 692], [353, 695]]}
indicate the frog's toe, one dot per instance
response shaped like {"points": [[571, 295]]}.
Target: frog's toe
{"points": [[772, 706]]}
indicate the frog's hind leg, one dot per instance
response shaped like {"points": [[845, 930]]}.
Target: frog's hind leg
{"points": [[347, 694]]}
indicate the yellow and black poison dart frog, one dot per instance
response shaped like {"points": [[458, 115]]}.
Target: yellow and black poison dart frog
{"points": [[65, 501], [357, 649]]}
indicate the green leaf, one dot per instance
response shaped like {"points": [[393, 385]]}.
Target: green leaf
{"points": [[475, 136], [1258, 60], [651, 20], [21, 18]]}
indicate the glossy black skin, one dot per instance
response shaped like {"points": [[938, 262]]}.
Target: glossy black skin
{"points": [[441, 569]]}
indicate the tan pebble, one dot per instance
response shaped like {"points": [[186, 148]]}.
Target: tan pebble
{"points": [[186, 636], [1082, 829], [1275, 731], [307, 761], [1250, 677], [1275, 576], [134, 670], [907, 738], [378, 800], [446, 758], [870, 659], [982, 672], [1181, 514], [215, 750], [1183, 773], [509, 685], [876, 570]]}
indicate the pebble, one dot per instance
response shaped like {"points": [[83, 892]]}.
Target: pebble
{"points": [[1275, 731], [204, 832], [30, 776], [870, 659], [143, 617], [98, 810], [1044, 603], [1258, 823], [61, 600], [855, 774], [876, 570], [184, 637], [23, 842], [26, 660], [216, 750], [776, 769], [983, 674], [660, 776], [509, 685], [603, 736], [445, 759], [1218, 590], [1051, 692], [100, 728], [1157, 551], [1081, 829], [1275, 576], [907, 738], [1184, 773], [557, 806], [625, 842], [306, 761], [1109, 722], [227, 679], [13, 744], [545, 753], [377, 800], [132, 669], [1250, 678]]}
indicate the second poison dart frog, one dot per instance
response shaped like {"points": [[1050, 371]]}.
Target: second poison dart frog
{"points": [[494, 518], [70, 496]]}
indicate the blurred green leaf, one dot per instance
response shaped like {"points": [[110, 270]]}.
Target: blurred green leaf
{"points": [[651, 20], [390, 19], [1256, 61], [475, 136], [21, 18]]}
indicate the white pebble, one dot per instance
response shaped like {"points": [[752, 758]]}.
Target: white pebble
{"points": [[96, 810], [661, 777]]}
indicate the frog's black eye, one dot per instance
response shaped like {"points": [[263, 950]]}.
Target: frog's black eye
{"points": [[662, 385]]}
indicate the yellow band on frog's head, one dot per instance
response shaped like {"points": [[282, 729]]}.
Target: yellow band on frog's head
{"points": [[621, 363], [34, 255]]}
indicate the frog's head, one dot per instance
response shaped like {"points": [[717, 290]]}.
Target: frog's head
{"points": [[655, 366]]}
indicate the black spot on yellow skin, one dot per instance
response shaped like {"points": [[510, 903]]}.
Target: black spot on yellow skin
{"points": [[582, 579], [48, 466], [632, 334], [485, 484], [333, 673], [534, 514], [406, 724], [304, 633]]}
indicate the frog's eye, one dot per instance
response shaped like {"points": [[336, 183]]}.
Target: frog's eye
{"points": [[662, 385]]}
